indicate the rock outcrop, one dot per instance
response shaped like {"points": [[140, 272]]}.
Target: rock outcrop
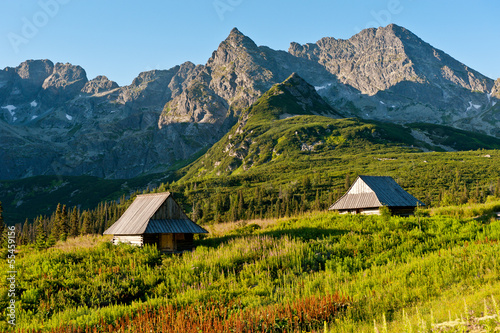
{"points": [[98, 85], [495, 92]]}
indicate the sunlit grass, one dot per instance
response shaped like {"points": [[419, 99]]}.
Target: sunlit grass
{"points": [[383, 266]]}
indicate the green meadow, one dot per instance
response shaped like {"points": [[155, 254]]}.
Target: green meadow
{"points": [[313, 272]]}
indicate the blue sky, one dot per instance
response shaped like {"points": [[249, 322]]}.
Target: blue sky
{"points": [[120, 39]]}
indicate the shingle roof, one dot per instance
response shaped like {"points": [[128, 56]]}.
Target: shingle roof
{"points": [[137, 218], [375, 191]]}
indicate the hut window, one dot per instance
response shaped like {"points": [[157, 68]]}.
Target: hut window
{"points": [[179, 236]]}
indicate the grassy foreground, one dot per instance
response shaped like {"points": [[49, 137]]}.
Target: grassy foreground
{"points": [[315, 272]]}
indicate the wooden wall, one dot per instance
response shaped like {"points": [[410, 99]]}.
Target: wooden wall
{"points": [[169, 210], [151, 239], [184, 242], [131, 239], [400, 211], [360, 187], [363, 211]]}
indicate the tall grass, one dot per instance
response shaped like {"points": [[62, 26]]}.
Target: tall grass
{"points": [[375, 267], [491, 206]]}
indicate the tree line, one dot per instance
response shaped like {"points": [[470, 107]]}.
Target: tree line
{"points": [[228, 200]]}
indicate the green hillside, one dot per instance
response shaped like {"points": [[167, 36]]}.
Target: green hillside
{"points": [[282, 129], [275, 162]]}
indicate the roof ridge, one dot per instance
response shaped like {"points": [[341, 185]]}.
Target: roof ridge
{"points": [[154, 194]]}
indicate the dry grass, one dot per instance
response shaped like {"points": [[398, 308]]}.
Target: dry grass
{"points": [[217, 230], [79, 242], [221, 229]]}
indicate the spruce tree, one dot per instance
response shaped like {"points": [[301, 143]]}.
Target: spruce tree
{"points": [[24, 237], [41, 236], [306, 183], [241, 204], [317, 204], [465, 195], [56, 223], [85, 224], [51, 241], [73, 223], [63, 224], [347, 182]]}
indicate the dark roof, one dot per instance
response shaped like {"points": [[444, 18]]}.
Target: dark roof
{"points": [[174, 227], [136, 219], [373, 192]]}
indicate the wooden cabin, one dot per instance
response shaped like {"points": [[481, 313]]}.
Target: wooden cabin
{"points": [[369, 193], [155, 219]]}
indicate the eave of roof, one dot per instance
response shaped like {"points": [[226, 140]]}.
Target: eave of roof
{"points": [[174, 227]]}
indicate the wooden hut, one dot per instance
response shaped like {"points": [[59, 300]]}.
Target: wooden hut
{"points": [[155, 219], [369, 193]]}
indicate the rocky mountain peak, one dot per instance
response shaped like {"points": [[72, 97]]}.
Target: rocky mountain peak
{"points": [[301, 89], [295, 80], [238, 39], [234, 46], [294, 96], [25, 80], [35, 70], [99, 84], [66, 81], [235, 32]]}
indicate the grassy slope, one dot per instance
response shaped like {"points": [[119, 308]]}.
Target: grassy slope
{"points": [[385, 265], [276, 154]]}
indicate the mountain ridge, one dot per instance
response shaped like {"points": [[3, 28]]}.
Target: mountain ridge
{"points": [[56, 121]]}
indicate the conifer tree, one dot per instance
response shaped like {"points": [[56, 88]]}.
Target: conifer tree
{"points": [[240, 204], [330, 199], [347, 182], [465, 195], [51, 241], [41, 235], [63, 224], [306, 182], [317, 204], [85, 224], [73, 223], [56, 222], [24, 237]]}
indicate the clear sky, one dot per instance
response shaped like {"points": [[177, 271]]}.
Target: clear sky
{"points": [[120, 38]]}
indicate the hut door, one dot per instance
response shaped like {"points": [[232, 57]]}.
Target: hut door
{"points": [[167, 242]]}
